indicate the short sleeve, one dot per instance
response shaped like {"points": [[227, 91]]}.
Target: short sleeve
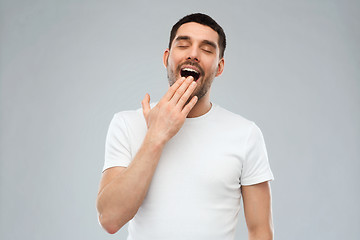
{"points": [[256, 168], [117, 148]]}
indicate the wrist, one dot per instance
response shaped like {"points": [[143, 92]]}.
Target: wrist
{"points": [[154, 141]]}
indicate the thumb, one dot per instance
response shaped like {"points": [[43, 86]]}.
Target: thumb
{"points": [[145, 103]]}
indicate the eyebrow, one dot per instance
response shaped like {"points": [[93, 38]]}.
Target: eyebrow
{"points": [[179, 38], [187, 38]]}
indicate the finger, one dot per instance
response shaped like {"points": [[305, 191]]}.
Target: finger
{"points": [[145, 103], [181, 90], [169, 94], [190, 105], [186, 95]]}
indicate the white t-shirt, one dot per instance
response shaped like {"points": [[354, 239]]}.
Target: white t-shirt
{"points": [[195, 192]]}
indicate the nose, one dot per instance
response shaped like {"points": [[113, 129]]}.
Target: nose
{"points": [[193, 54]]}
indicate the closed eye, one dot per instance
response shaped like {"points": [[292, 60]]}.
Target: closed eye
{"points": [[206, 50]]}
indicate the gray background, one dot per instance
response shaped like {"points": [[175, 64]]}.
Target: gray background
{"points": [[67, 66]]}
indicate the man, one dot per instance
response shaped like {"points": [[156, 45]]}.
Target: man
{"points": [[178, 169]]}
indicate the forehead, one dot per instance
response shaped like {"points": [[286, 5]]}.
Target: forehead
{"points": [[197, 31]]}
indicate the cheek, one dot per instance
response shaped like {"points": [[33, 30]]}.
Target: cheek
{"points": [[174, 55], [171, 62], [213, 67]]}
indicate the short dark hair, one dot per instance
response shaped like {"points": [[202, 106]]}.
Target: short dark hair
{"points": [[204, 20]]}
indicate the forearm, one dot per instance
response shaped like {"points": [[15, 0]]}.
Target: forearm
{"points": [[119, 200], [261, 234]]}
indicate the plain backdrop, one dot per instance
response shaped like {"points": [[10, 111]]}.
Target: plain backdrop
{"points": [[67, 66]]}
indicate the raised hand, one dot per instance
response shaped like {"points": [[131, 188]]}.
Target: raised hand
{"points": [[167, 117]]}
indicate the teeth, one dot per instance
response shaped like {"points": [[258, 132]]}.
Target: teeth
{"points": [[190, 70]]}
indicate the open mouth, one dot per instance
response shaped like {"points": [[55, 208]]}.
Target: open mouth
{"points": [[186, 72]]}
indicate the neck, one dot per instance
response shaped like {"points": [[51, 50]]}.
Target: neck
{"points": [[201, 107]]}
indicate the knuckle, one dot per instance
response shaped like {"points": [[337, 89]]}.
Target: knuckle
{"points": [[177, 95], [174, 86], [184, 97], [180, 90]]}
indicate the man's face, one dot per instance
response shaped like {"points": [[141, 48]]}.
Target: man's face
{"points": [[194, 51]]}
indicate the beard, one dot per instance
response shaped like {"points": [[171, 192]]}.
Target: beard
{"points": [[205, 81]]}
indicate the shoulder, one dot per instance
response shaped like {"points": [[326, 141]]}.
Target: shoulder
{"points": [[129, 119], [129, 115], [232, 119]]}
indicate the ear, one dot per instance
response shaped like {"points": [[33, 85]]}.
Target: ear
{"points": [[220, 67], [166, 57]]}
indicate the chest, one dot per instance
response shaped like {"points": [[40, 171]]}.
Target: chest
{"points": [[200, 164]]}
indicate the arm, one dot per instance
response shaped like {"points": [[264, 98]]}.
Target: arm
{"points": [[257, 209], [122, 190]]}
